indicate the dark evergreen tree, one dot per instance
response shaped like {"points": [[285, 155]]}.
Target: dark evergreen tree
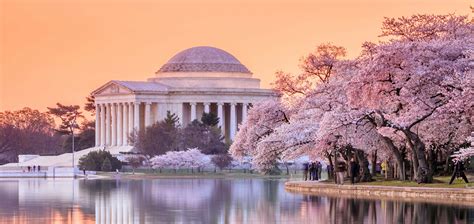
{"points": [[106, 165], [210, 119], [208, 139], [95, 161], [67, 114], [159, 138], [90, 105], [171, 120]]}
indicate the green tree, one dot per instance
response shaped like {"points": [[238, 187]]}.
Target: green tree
{"points": [[27, 131], [210, 119], [67, 114], [95, 160], [222, 160], [87, 163], [135, 162], [106, 165], [90, 105], [159, 138], [208, 139], [171, 120]]}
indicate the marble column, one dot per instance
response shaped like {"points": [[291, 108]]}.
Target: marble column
{"points": [[244, 111], [220, 115], [124, 124], [97, 125], [193, 111], [180, 112], [102, 124], [157, 114], [130, 118], [207, 107], [136, 116], [107, 126], [119, 124], [233, 120], [114, 125], [147, 114]]}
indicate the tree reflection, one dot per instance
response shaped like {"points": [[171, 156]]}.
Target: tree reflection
{"points": [[204, 201]]}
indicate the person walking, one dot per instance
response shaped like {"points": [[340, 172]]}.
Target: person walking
{"points": [[311, 171], [315, 171], [459, 172], [340, 171], [354, 170], [29, 169], [34, 168], [384, 169], [330, 171], [39, 168], [320, 169], [305, 171]]}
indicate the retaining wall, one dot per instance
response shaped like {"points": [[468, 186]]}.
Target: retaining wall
{"points": [[439, 195]]}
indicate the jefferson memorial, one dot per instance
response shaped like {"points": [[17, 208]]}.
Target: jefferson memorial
{"points": [[195, 81]]}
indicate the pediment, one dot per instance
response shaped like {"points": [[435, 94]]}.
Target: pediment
{"points": [[112, 88]]}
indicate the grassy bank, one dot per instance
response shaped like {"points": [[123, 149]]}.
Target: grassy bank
{"points": [[438, 182]]}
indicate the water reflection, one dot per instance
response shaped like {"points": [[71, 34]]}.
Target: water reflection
{"points": [[201, 201]]}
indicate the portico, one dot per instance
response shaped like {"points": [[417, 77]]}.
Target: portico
{"points": [[195, 81]]}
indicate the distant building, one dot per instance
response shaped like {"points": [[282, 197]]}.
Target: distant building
{"points": [[196, 80]]}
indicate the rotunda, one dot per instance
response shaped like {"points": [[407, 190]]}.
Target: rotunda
{"points": [[195, 81]]}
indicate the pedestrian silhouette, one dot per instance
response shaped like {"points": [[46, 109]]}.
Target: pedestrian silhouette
{"points": [[459, 172]]}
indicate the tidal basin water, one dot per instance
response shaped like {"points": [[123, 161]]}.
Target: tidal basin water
{"points": [[201, 201]]}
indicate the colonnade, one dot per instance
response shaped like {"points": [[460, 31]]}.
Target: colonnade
{"points": [[115, 121]]}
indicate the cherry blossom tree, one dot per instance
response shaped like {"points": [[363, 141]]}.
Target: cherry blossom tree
{"points": [[316, 68], [417, 75], [189, 159], [262, 119], [400, 98], [465, 153]]}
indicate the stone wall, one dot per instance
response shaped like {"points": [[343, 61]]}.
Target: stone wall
{"points": [[443, 195]]}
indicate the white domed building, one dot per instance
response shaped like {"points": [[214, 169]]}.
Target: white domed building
{"points": [[194, 81]]}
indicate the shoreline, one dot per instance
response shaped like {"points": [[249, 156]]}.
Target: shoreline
{"points": [[459, 196]]}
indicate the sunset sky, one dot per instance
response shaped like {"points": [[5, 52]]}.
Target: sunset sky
{"points": [[61, 50]]}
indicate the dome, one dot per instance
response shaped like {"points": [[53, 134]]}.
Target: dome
{"points": [[204, 59]]}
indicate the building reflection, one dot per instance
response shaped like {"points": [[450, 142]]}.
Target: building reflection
{"points": [[201, 201]]}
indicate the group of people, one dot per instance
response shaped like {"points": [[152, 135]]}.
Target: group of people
{"points": [[33, 169], [341, 168], [312, 171]]}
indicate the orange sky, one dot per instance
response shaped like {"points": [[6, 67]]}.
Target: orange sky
{"points": [[61, 50]]}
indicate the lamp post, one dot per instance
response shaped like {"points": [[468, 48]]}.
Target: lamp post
{"points": [[73, 125]]}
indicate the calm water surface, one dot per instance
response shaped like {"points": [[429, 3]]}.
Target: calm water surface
{"points": [[201, 201]]}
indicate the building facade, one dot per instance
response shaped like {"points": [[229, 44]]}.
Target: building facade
{"points": [[195, 81]]}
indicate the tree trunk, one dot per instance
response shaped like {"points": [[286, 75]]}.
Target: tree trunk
{"points": [[330, 174], [431, 161], [287, 170], [446, 162], [397, 154], [374, 163], [364, 166], [415, 165], [424, 175]]}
